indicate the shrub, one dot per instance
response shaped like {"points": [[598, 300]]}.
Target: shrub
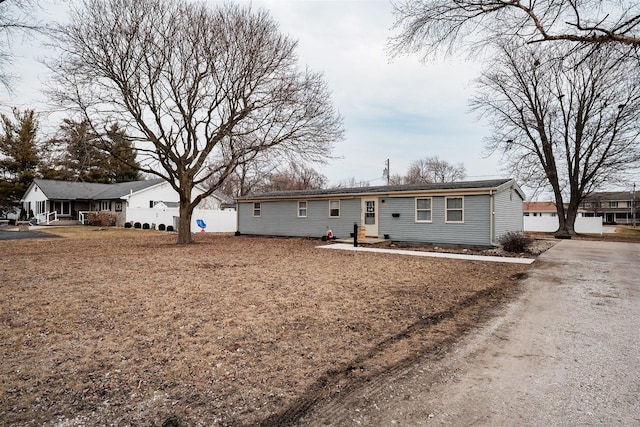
{"points": [[127, 225], [101, 219], [161, 227], [515, 241]]}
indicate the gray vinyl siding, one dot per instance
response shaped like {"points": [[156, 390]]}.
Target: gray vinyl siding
{"points": [[508, 212], [280, 214], [473, 231], [280, 218]]}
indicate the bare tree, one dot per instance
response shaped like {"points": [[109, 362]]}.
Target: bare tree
{"points": [[264, 176], [432, 170], [200, 90], [16, 18], [247, 178], [294, 177], [431, 25], [351, 183], [570, 123]]}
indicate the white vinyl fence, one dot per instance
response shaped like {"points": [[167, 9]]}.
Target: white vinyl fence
{"points": [[549, 224], [217, 221]]}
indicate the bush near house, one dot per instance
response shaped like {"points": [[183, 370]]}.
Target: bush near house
{"points": [[515, 241], [101, 219]]}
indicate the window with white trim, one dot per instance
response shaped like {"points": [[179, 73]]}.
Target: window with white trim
{"points": [[257, 209], [105, 205], [302, 209], [454, 209], [423, 209], [613, 204], [334, 208]]}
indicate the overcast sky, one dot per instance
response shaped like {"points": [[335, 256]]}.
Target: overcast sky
{"points": [[398, 109]]}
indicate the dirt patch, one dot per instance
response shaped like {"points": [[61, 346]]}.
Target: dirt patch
{"points": [[124, 327]]}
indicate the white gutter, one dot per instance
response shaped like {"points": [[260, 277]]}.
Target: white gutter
{"points": [[491, 219]]}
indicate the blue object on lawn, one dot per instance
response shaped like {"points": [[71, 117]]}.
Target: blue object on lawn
{"points": [[201, 223]]}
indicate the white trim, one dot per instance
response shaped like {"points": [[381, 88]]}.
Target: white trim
{"points": [[416, 210], [446, 210], [339, 209], [299, 208], [259, 209]]}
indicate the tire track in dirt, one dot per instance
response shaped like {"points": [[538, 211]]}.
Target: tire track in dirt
{"points": [[356, 375]]}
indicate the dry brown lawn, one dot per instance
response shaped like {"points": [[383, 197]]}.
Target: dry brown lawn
{"points": [[124, 327]]}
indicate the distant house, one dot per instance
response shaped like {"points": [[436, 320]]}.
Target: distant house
{"points": [[473, 213], [152, 201], [614, 207], [544, 209], [540, 209]]}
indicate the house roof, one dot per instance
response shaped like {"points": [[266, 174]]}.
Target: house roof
{"points": [[606, 196], [65, 190], [386, 189], [539, 207]]}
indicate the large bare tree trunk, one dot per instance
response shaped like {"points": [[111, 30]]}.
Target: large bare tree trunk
{"points": [[186, 211], [565, 229]]}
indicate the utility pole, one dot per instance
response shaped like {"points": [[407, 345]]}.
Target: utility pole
{"points": [[387, 172], [388, 169], [633, 205]]}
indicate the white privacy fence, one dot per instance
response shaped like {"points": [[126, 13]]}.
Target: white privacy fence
{"points": [[216, 221], [549, 224]]}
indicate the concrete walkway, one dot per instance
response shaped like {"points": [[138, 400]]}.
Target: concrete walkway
{"points": [[347, 247], [566, 353]]}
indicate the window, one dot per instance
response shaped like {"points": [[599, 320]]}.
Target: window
{"points": [[423, 210], [370, 212], [613, 204], [454, 209], [62, 207], [334, 208], [105, 205], [118, 206], [257, 209], [302, 209]]}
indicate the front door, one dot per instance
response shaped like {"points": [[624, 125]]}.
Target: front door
{"points": [[370, 216]]}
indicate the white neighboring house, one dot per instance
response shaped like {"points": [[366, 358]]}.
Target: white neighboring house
{"points": [[145, 204], [543, 217]]}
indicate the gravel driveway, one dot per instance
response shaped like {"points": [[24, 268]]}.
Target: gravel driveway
{"points": [[567, 352]]}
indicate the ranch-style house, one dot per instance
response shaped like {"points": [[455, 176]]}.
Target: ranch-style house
{"points": [[471, 213]]}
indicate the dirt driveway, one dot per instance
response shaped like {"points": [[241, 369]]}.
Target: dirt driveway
{"points": [[567, 352]]}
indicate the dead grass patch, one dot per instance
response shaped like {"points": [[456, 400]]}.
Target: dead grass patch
{"points": [[123, 327]]}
